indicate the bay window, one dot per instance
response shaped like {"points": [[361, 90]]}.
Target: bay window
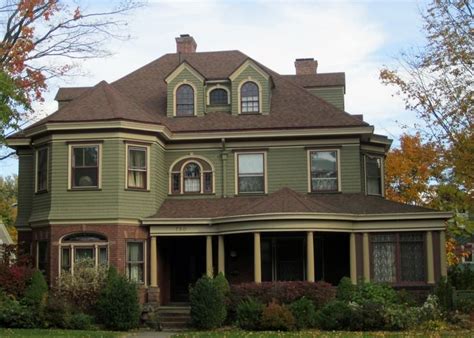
{"points": [[85, 166], [137, 167], [83, 247], [373, 173], [324, 170], [251, 173]]}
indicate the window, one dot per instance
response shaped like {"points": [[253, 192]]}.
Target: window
{"points": [[135, 261], [137, 167], [251, 173], [185, 100], [83, 247], [324, 170], [249, 97], [373, 171], [191, 175], [42, 170], [218, 97], [398, 258], [85, 166], [42, 256]]}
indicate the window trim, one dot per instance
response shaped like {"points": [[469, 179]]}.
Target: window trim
{"points": [[201, 178], [398, 265], [236, 172], [191, 158], [144, 243], [99, 165], [129, 145], [338, 159], [175, 102], [382, 174], [36, 169], [211, 89], [239, 96]]}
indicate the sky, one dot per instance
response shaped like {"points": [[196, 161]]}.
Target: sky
{"points": [[356, 37]]}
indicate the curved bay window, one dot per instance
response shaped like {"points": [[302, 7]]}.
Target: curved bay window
{"points": [[218, 97], [249, 98], [185, 100], [79, 247], [191, 176]]}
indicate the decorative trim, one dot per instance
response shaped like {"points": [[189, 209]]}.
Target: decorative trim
{"points": [[184, 65], [190, 157], [248, 63]]}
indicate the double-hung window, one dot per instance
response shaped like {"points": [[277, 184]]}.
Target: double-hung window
{"points": [[251, 173], [85, 166], [42, 170], [136, 261], [324, 170], [373, 172], [137, 167]]}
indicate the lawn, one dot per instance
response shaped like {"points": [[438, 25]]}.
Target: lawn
{"points": [[4, 333], [321, 334]]}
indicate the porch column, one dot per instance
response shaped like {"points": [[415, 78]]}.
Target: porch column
{"points": [[353, 258], [221, 255], [310, 256], [442, 250], [153, 263], [209, 269], [257, 259], [365, 247], [429, 258]]}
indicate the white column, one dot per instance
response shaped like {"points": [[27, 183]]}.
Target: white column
{"points": [[310, 256], [365, 247], [353, 258], [153, 263], [257, 259], [442, 250], [209, 269], [221, 255]]}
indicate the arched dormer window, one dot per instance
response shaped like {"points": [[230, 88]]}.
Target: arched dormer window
{"points": [[78, 247], [191, 175], [249, 98], [185, 100], [218, 96]]}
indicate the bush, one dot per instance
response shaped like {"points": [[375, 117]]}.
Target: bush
{"points": [[461, 277], [277, 317], [80, 321], [249, 314], [444, 291], [304, 313], [368, 316], [335, 315], [36, 293], [345, 289], [14, 279], [222, 284], [208, 306], [13, 314], [375, 293], [84, 287], [58, 312], [118, 306], [400, 317]]}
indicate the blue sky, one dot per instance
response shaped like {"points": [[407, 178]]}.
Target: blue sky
{"points": [[357, 37]]}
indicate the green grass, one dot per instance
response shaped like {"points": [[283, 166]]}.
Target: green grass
{"points": [[6, 333], [321, 334]]}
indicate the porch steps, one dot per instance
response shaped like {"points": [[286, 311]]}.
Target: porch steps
{"points": [[174, 318]]}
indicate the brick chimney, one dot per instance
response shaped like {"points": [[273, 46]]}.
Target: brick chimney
{"points": [[185, 44], [306, 66]]}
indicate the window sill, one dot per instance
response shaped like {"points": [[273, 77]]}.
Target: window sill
{"points": [[41, 192], [137, 189], [324, 192], [85, 189], [192, 194], [240, 194], [256, 113]]}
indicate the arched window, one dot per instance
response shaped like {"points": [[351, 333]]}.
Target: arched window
{"points": [[80, 247], [249, 98], [191, 175], [185, 100], [218, 96]]}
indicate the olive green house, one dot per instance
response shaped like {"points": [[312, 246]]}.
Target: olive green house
{"points": [[207, 162]]}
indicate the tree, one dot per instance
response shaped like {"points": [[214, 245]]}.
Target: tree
{"points": [[44, 39], [8, 200]]}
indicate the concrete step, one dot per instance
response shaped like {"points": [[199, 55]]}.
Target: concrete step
{"points": [[174, 318]]}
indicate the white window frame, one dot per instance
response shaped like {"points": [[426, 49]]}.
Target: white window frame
{"points": [[145, 260], [99, 171], [175, 103], [338, 159], [147, 159], [236, 172], [36, 168], [382, 174], [72, 247], [239, 92]]}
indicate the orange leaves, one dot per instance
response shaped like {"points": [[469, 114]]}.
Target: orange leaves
{"points": [[77, 14]]}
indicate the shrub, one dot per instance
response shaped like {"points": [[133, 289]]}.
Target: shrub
{"points": [[277, 317], [367, 316], [461, 277], [222, 284], [400, 317], [375, 293], [80, 321], [208, 307], [14, 279], [304, 313], [37, 291], [249, 314], [430, 310], [335, 315], [82, 289], [58, 312], [118, 306], [345, 289], [465, 305], [16, 315], [444, 291]]}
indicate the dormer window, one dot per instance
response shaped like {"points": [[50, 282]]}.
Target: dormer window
{"points": [[185, 100], [218, 97], [191, 175], [249, 98]]}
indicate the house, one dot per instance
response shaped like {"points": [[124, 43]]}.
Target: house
{"points": [[206, 162]]}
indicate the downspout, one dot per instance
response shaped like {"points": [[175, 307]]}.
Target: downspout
{"points": [[224, 168]]}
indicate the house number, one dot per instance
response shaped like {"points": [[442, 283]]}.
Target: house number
{"points": [[181, 229]]}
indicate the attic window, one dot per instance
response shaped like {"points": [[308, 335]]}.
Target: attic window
{"points": [[218, 97], [249, 97], [185, 100]]}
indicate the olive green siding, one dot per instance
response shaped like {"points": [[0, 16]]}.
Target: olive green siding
{"points": [[26, 186], [287, 167], [186, 76], [350, 169], [332, 95], [250, 74]]}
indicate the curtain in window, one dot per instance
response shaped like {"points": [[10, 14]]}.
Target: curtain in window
{"points": [[324, 171], [192, 178], [135, 261], [384, 257], [412, 258], [137, 168], [251, 173]]}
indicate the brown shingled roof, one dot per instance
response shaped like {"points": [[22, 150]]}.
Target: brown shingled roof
{"points": [[143, 93], [69, 93], [318, 80], [284, 200]]}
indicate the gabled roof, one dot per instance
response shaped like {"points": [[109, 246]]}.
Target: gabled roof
{"points": [[284, 200], [318, 80], [141, 96]]}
